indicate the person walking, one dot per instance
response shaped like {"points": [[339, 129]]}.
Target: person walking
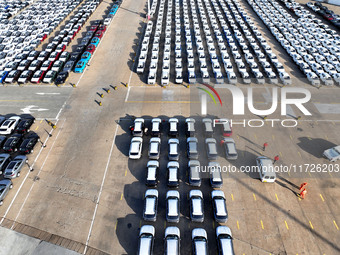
{"points": [[264, 146], [303, 193], [276, 158], [303, 186]]}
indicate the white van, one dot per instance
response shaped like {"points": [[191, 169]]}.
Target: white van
{"points": [[266, 169]]}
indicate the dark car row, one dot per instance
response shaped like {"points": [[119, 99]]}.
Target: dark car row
{"points": [[15, 135]]}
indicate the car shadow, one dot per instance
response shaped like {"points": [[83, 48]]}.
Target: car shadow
{"points": [[314, 146]]}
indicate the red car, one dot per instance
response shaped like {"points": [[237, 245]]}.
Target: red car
{"points": [[93, 28], [91, 48], [102, 28], [99, 34], [328, 17], [42, 37]]}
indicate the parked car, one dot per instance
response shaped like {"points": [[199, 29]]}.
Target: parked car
{"points": [[230, 148], [219, 206], [173, 153], [5, 186], [28, 144], [154, 148], [224, 240], [14, 167], [156, 127], [136, 148], [138, 127], [150, 205], [172, 240], [5, 158], [172, 174], [61, 77], [8, 126], [25, 125], [50, 76], [172, 206], [196, 206], [152, 173], [146, 240], [332, 154], [211, 148], [192, 148], [199, 241], [173, 130]]}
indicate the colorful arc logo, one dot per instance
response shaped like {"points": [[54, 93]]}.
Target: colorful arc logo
{"points": [[210, 94]]}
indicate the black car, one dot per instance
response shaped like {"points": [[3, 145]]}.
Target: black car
{"points": [[28, 144], [80, 49], [97, 22], [61, 77], [24, 125], [2, 140], [12, 143], [75, 57]]}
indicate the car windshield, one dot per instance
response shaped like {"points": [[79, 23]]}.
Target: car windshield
{"points": [[37, 75], [62, 75], [49, 75], [46, 64], [25, 75], [79, 64], [11, 75], [2, 188]]}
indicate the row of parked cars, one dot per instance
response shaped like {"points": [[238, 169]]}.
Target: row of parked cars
{"points": [[91, 40], [53, 64], [173, 198], [9, 8], [172, 240], [226, 32], [312, 45], [16, 140], [29, 28], [325, 13]]}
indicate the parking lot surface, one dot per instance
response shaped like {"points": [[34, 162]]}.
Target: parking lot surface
{"points": [[86, 195]]}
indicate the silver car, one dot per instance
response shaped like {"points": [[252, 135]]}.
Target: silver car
{"points": [[4, 159], [5, 186], [14, 167]]}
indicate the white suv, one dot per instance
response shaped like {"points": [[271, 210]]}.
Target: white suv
{"points": [[9, 125]]}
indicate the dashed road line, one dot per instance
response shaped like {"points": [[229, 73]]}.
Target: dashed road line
{"points": [[277, 198], [311, 225], [262, 224], [299, 154], [238, 225], [286, 225], [336, 225], [36, 128], [232, 197], [125, 173], [254, 196], [121, 196], [323, 200]]}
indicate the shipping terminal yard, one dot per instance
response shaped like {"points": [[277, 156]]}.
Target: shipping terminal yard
{"points": [[169, 127]]}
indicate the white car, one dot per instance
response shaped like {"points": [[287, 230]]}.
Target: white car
{"points": [[165, 77], [330, 69], [179, 78], [336, 78], [107, 21], [333, 154], [313, 78], [152, 78], [136, 145], [9, 125], [49, 77], [285, 78], [326, 78]]}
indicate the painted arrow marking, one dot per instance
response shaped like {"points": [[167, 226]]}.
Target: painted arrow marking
{"points": [[28, 109]]}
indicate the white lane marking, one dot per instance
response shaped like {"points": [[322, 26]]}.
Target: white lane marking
{"points": [[127, 94], [62, 107], [42, 166], [101, 189], [16, 194], [42, 94], [107, 28]]}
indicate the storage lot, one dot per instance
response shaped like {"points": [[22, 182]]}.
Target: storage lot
{"points": [[86, 160]]}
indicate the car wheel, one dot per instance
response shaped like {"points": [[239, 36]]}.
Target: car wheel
{"points": [[18, 174], [11, 187]]}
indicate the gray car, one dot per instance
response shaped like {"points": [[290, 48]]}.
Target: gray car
{"points": [[5, 186], [4, 159], [14, 167], [68, 66]]}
